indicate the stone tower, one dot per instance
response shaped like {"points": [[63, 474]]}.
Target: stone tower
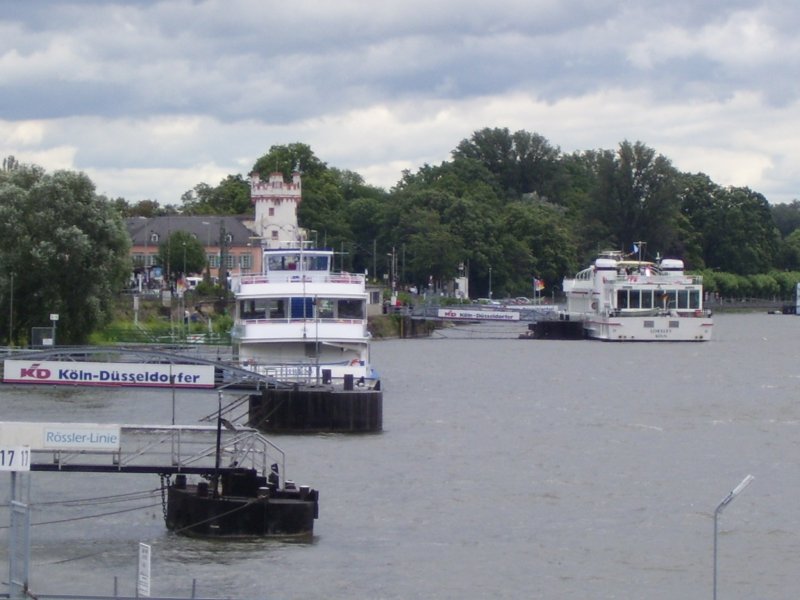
{"points": [[276, 203]]}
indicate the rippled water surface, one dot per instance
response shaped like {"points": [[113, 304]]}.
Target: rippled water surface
{"points": [[507, 469]]}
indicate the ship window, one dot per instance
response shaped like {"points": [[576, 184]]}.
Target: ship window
{"points": [[683, 299], [647, 298], [325, 308], [674, 324], [316, 263], [622, 299], [302, 308], [649, 324], [253, 309], [283, 262], [671, 299], [276, 309], [694, 298], [350, 309], [634, 299]]}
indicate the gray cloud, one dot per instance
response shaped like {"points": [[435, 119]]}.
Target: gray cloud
{"points": [[206, 87]]}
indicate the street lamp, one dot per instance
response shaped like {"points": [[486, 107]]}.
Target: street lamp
{"points": [[490, 283], [720, 507], [11, 312]]}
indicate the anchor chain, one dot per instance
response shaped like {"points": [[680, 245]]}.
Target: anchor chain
{"points": [[165, 483]]}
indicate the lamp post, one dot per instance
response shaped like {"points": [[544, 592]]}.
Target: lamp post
{"points": [[11, 311], [208, 251], [144, 261], [720, 507], [490, 283], [185, 321]]}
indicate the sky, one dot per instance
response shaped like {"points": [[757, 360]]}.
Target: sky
{"points": [[151, 98]]}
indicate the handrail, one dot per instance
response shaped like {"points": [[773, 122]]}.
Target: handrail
{"points": [[175, 447]]}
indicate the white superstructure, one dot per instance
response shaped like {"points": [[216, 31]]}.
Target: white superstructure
{"points": [[634, 300], [300, 321], [296, 319]]}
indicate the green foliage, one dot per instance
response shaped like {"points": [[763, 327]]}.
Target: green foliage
{"points": [[786, 217], [230, 197], [181, 254], [66, 248], [635, 199]]}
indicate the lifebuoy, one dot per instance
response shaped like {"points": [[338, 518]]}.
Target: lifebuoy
{"points": [[355, 362], [594, 305]]}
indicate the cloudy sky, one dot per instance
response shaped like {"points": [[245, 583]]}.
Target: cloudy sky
{"points": [[150, 98]]}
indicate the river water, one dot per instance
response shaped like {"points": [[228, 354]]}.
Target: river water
{"points": [[506, 469]]}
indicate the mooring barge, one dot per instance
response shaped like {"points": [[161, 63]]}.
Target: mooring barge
{"points": [[237, 488]]}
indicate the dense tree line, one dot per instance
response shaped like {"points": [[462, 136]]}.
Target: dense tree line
{"points": [[507, 207], [511, 207]]}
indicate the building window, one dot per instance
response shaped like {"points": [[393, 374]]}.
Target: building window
{"points": [[229, 261], [246, 261], [271, 211], [213, 260], [274, 234], [154, 237]]}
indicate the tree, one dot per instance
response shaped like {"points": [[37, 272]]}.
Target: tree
{"points": [[67, 249], [789, 251], [181, 254], [230, 197], [739, 235], [285, 159], [786, 217], [522, 163], [635, 199]]}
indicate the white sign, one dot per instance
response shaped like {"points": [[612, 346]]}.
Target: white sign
{"points": [[88, 437], [121, 374], [143, 573], [54, 316], [15, 458], [478, 315], [60, 436]]}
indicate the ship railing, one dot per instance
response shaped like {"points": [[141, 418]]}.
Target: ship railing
{"points": [[259, 320], [308, 277], [176, 447], [660, 312], [657, 279]]}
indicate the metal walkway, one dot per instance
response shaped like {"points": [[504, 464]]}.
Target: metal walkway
{"points": [[226, 373], [168, 449]]}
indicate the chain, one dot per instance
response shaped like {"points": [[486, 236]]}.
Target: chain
{"points": [[165, 483]]}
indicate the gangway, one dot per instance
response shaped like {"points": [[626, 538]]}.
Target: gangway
{"points": [[161, 449], [226, 373]]}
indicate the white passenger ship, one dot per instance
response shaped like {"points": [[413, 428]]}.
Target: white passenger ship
{"points": [[619, 299], [299, 321]]}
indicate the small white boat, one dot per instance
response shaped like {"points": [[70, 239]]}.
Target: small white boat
{"points": [[299, 321], [619, 299]]}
